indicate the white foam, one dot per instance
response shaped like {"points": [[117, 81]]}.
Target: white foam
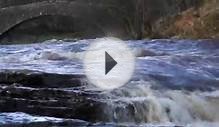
{"points": [[152, 106]]}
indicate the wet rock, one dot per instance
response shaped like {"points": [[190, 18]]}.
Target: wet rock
{"points": [[143, 53], [41, 79], [45, 94], [52, 56], [51, 102]]}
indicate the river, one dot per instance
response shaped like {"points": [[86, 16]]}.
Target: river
{"points": [[175, 83]]}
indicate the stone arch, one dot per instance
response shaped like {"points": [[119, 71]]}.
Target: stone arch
{"points": [[12, 16], [15, 16], [46, 27]]}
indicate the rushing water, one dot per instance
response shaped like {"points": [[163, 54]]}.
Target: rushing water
{"points": [[176, 82]]}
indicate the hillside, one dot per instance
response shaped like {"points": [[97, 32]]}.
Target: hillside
{"points": [[196, 23]]}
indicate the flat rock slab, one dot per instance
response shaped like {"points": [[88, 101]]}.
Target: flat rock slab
{"points": [[51, 102], [41, 79], [49, 94]]}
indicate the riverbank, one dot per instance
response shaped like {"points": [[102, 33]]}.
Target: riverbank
{"points": [[194, 23]]}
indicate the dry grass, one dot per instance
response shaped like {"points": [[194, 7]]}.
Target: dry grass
{"points": [[194, 23]]}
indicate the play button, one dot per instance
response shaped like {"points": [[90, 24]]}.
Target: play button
{"points": [[108, 63]]}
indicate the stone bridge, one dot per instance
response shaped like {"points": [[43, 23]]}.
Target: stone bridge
{"points": [[14, 15], [92, 12]]}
